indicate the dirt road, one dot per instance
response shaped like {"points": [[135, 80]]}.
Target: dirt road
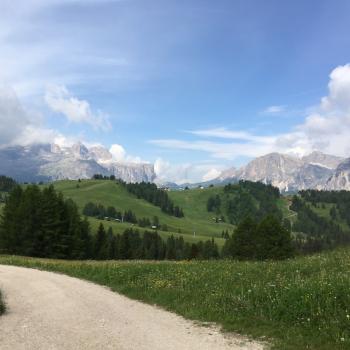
{"points": [[52, 311]]}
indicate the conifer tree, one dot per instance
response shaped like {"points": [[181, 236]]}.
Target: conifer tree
{"points": [[272, 240], [242, 244], [101, 244]]}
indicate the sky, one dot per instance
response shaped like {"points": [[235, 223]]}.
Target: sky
{"points": [[193, 86]]}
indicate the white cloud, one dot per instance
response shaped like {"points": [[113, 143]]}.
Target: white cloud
{"points": [[13, 118], [186, 172], [221, 150], [231, 134], [120, 155], [59, 99], [19, 126], [211, 174], [274, 109], [327, 129], [338, 99]]}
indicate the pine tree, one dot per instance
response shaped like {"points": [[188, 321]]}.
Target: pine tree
{"points": [[40, 223], [170, 248], [101, 245], [333, 213], [272, 240], [112, 244], [242, 244], [10, 229]]}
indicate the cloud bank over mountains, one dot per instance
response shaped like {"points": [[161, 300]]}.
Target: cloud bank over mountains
{"points": [[326, 129]]}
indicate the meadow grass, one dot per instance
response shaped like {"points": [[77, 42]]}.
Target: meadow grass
{"points": [[296, 304]]}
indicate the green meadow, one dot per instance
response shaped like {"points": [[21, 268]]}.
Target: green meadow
{"points": [[302, 303], [198, 223]]}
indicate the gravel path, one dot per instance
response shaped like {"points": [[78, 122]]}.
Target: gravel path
{"points": [[50, 311]]}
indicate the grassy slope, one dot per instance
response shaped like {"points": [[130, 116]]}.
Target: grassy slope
{"points": [[197, 219], [109, 193], [297, 304], [324, 212]]}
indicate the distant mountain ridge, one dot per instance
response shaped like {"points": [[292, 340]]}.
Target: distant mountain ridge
{"points": [[340, 180], [314, 171], [49, 162]]}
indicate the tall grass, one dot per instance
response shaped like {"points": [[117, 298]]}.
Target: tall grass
{"points": [[297, 304]]}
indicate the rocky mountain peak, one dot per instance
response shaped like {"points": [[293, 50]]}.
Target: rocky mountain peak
{"points": [[323, 159], [340, 180], [100, 154], [45, 162], [287, 172], [80, 150]]}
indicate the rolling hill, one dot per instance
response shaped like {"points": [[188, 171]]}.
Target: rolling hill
{"points": [[309, 220], [198, 223]]}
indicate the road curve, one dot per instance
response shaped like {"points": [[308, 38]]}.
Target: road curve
{"points": [[51, 311]]}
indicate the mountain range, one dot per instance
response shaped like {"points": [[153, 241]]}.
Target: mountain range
{"points": [[49, 162], [290, 173]]}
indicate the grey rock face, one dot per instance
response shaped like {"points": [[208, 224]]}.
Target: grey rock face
{"points": [[133, 172], [100, 154], [276, 169], [46, 162], [288, 173], [325, 160], [340, 180], [312, 176]]}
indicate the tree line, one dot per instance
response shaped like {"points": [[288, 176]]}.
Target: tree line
{"points": [[6, 183], [152, 194], [103, 177], [245, 199], [314, 232], [99, 211], [41, 223], [131, 244], [266, 239], [340, 200]]}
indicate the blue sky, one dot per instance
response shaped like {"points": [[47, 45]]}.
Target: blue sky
{"points": [[196, 86]]}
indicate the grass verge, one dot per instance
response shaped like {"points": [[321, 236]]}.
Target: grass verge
{"points": [[297, 304]]}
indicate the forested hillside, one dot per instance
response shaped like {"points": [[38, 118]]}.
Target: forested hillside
{"points": [[238, 201], [322, 220], [316, 220], [197, 223], [42, 223], [6, 183]]}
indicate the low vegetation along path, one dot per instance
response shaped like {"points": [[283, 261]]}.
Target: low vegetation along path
{"points": [[46, 310]]}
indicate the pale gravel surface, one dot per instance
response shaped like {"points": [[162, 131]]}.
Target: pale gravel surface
{"points": [[51, 311]]}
